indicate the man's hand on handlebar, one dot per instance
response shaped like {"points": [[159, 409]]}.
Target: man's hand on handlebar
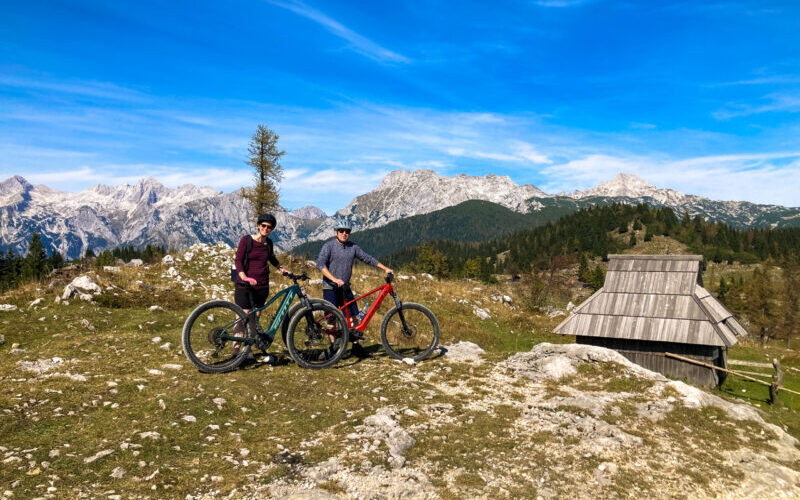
{"points": [[338, 282]]}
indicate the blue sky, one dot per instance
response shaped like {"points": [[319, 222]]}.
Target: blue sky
{"points": [[702, 97]]}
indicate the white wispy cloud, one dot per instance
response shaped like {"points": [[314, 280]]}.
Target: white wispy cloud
{"points": [[770, 178], [358, 43], [103, 90], [761, 80], [560, 3], [345, 150], [777, 102], [79, 178]]}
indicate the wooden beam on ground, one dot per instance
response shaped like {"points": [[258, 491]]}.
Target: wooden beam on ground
{"points": [[738, 374]]}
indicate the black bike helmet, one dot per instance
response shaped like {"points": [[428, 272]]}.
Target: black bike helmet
{"points": [[267, 218]]}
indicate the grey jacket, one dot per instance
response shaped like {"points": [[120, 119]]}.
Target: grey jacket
{"points": [[339, 258]]}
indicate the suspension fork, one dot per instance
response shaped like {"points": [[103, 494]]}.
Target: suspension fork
{"points": [[399, 305]]}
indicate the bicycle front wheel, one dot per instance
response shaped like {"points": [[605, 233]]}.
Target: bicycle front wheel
{"points": [[289, 315], [317, 337], [411, 331], [204, 336]]}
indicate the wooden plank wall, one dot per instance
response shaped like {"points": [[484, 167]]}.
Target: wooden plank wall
{"points": [[650, 355]]}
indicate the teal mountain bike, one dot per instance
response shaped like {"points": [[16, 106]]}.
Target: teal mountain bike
{"points": [[218, 335]]}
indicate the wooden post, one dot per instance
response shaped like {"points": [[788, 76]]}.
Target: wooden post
{"points": [[777, 382]]}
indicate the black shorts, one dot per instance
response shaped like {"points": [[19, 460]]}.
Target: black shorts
{"points": [[249, 297]]}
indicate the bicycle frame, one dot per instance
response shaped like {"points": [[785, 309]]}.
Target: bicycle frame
{"points": [[288, 296], [384, 291]]}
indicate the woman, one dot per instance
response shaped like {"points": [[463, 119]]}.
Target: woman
{"points": [[252, 268]]}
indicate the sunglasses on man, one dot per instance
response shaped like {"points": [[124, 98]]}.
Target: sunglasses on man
{"points": [[266, 225], [347, 231]]}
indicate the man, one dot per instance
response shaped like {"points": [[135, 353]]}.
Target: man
{"points": [[336, 263]]}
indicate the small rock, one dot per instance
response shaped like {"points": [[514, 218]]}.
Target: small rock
{"points": [[85, 323], [482, 313], [35, 302], [156, 308], [8, 307], [86, 284], [165, 347], [153, 371], [409, 361], [111, 269], [150, 435], [155, 340], [97, 456], [463, 351], [134, 263], [117, 473], [189, 418], [172, 366], [168, 260]]}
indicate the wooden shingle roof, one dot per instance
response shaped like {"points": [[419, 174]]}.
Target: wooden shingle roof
{"points": [[655, 298]]}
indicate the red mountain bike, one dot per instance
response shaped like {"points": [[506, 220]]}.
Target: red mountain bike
{"points": [[408, 330]]}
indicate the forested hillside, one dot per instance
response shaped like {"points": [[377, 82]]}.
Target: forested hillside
{"points": [[754, 272], [597, 232], [473, 220]]}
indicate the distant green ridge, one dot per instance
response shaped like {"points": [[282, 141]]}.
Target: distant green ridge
{"points": [[471, 221]]}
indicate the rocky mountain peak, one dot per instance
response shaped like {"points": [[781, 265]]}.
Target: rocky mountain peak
{"points": [[627, 185], [309, 212], [13, 185]]}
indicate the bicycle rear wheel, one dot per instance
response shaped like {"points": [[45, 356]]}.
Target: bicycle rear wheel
{"points": [[416, 339], [203, 332], [317, 337]]}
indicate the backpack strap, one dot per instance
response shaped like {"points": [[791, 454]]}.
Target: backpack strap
{"points": [[246, 258]]}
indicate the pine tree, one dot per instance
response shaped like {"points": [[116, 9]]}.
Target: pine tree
{"points": [[724, 288], [583, 268], [598, 278], [264, 156], [106, 258], [34, 265]]}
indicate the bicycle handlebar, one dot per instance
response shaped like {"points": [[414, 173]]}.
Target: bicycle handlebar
{"points": [[389, 278], [297, 277]]}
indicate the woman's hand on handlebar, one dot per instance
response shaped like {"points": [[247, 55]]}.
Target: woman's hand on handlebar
{"points": [[250, 281]]}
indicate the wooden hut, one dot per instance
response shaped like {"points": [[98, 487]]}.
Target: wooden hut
{"points": [[652, 304]]}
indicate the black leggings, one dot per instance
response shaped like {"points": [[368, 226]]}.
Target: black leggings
{"points": [[249, 298]]}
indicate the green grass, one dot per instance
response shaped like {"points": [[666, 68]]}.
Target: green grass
{"points": [[283, 416]]}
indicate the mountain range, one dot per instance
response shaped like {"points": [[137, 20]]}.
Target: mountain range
{"points": [[149, 213]]}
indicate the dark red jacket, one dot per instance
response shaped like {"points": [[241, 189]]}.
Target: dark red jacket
{"points": [[257, 266]]}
